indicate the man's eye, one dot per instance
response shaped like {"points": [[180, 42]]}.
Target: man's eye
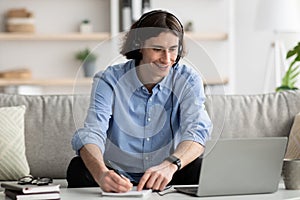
{"points": [[157, 49], [173, 49]]}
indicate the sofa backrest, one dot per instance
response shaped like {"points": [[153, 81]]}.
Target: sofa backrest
{"points": [[253, 115], [51, 120]]}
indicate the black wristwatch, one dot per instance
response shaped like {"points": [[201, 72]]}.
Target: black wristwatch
{"points": [[174, 160]]}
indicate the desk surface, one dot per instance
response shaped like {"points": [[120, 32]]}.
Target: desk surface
{"points": [[94, 194]]}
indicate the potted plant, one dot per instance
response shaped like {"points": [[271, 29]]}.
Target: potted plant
{"points": [[290, 78], [88, 60], [86, 26]]}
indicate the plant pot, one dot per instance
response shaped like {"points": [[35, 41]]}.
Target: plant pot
{"points": [[86, 28], [291, 174], [89, 68]]}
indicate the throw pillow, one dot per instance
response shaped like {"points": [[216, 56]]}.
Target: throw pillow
{"points": [[293, 149], [13, 162]]}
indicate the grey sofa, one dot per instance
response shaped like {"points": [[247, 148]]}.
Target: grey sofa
{"points": [[51, 120]]}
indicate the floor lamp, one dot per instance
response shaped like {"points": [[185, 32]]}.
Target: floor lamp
{"points": [[280, 63], [278, 16]]}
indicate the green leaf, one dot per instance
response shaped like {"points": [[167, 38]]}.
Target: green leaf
{"points": [[297, 58], [291, 75], [85, 55], [295, 75], [291, 53], [295, 50], [292, 84]]}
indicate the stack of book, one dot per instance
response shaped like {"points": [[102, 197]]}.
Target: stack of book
{"points": [[20, 20], [16, 191], [22, 73]]}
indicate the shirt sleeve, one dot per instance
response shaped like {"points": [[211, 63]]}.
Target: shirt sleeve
{"points": [[98, 116], [195, 124]]}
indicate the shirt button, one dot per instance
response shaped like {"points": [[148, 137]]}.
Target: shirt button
{"points": [[148, 139], [146, 158], [150, 99], [148, 119]]}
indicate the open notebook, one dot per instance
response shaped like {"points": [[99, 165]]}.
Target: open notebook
{"points": [[131, 193]]}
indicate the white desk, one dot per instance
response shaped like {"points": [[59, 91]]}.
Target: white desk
{"points": [[94, 194]]}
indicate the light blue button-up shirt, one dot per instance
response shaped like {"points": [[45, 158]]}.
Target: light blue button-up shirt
{"points": [[136, 129]]}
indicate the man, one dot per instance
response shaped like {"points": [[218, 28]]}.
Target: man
{"points": [[146, 124]]}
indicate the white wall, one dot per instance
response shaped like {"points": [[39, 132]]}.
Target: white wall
{"points": [[243, 58], [254, 53], [52, 59]]}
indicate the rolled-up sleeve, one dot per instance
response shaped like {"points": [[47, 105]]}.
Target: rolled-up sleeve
{"points": [[195, 123], [98, 116]]}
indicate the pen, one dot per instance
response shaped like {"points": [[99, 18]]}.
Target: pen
{"points": [[119, 171]]}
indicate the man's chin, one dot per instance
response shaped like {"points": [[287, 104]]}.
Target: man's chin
{"points": [[162, 67]]}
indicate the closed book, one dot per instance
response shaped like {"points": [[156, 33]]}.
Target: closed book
{"points": [[21, 12], [15, 195], [30, 189], [136, 6], [20, 28], [16, 73]]}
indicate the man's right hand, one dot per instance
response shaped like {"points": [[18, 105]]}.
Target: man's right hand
{"points": [[110, 181]]}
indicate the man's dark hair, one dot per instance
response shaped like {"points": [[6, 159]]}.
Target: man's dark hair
{"points": [[149, 25]]}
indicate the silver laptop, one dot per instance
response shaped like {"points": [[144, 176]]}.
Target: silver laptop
{"points": [[240, 166]]}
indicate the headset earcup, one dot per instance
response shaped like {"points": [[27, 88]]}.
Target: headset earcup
{"points": [[136, 44], [180, 49]]}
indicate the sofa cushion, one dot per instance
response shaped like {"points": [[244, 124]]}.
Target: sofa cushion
{"points": [[263, 115], [13, 162], [50, 122], [293, 149]]}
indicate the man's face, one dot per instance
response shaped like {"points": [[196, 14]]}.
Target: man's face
{"points": [[159, 54]]}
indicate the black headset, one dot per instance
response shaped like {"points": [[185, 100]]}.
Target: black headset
{"points": [[148, 14]]}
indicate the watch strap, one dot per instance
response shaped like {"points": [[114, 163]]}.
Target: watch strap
{"points": [[174, 160]]}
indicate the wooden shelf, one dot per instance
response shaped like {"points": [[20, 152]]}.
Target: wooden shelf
{"points": [[54, 37], [78, 82], [207, 36], [216, 81], [46, 82]]}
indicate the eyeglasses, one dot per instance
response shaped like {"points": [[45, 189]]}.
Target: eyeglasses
{"points": [[35, 181]]}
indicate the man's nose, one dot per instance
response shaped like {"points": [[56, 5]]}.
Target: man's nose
{"points": [[166, 56]]}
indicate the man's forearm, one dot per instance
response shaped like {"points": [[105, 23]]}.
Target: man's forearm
{"points": [[93, 160], [187, 151], [107, 179], [157, 177]]}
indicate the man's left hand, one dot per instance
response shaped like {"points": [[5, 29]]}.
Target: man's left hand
{"points": [[157, 177]]}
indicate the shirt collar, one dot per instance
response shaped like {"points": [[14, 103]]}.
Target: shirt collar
{"points": [[166, 82]]}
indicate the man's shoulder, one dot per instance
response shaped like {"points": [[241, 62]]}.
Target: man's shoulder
{"points": [[117, 70], [120, 68], [187, 72]]}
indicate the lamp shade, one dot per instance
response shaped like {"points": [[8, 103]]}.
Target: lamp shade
{"points": [[278, 15]]}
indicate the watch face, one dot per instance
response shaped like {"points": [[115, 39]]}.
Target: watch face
{"points": [[175, 161]]}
